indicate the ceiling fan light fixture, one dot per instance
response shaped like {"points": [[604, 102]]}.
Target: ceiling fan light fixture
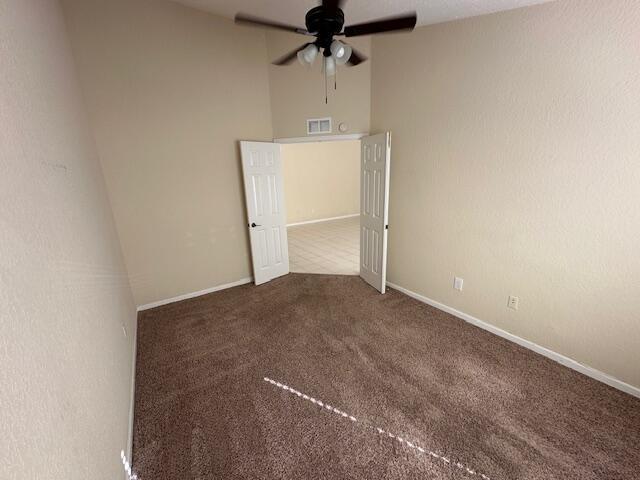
{"points": [[341, 52], [308, 54], [330, 66], [337, 49]]}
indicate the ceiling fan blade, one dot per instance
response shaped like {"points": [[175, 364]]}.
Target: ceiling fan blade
{"points": [[290, 57], [243, 19], [391, 24], [356, 58], [333, 4]]}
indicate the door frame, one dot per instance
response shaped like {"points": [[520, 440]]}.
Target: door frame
{"points": [[345, 137], [321, 138]]}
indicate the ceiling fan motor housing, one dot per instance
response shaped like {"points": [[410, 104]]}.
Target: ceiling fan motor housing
{"points": [[325, 23]]}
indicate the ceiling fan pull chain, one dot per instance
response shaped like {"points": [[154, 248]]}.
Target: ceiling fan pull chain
{"points": [[326, 96]]}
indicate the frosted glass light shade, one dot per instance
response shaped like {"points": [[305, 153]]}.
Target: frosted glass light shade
{"points": [[330, 66], [340, 52], [308, 54], [337, 49]]}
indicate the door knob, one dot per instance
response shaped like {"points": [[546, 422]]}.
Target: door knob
{"points": [[254, 225]]}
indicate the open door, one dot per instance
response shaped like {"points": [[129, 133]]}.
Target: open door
{"points": [[374, 209], [267, 223]]}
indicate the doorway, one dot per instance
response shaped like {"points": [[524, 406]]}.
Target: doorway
{"points": [[267, 218], [322, 194]]}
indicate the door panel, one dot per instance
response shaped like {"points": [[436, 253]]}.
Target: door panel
{"points": [[374, 209], [262, 170]]}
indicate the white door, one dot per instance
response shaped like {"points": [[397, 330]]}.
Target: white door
{"points": [[374, 209], [263, 186]]}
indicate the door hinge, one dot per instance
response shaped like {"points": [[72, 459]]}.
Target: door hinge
{"points": [[386, 227]]}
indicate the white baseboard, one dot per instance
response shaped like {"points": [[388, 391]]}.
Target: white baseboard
{"points": [[566, 361], [187, 296], [320, 220], [133, 390]]}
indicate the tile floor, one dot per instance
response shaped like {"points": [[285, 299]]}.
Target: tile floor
{"points": [[325, 247]]}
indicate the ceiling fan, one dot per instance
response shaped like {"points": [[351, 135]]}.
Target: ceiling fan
{"points": [[325, 22]]}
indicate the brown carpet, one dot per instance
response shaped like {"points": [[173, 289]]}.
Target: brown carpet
{"points": [[203, 409]]}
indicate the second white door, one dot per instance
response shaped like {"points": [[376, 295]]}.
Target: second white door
{"points": [[374, 209]]}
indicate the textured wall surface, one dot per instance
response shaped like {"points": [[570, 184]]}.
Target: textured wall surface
{"points": [[170, 91], [297, 92], [515, 166], [321, 179], [65, 363]]}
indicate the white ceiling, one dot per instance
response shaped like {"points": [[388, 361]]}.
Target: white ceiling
{"points": [[356, 11]]}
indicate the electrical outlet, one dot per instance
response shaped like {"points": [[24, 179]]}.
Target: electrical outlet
{"points": [[513, 302], [457, 283]]}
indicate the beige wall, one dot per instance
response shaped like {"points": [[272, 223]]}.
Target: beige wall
{"points": [[170, 91], [515, 166], [321, 179], [297, 92], [65, 363]]}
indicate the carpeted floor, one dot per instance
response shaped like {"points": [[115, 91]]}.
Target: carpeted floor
{"points": [[465, 403]]}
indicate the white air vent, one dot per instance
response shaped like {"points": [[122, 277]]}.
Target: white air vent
{"points": [[318, 125]]}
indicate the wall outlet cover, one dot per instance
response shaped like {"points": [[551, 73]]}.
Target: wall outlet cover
{"points": [[513, 302]]}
